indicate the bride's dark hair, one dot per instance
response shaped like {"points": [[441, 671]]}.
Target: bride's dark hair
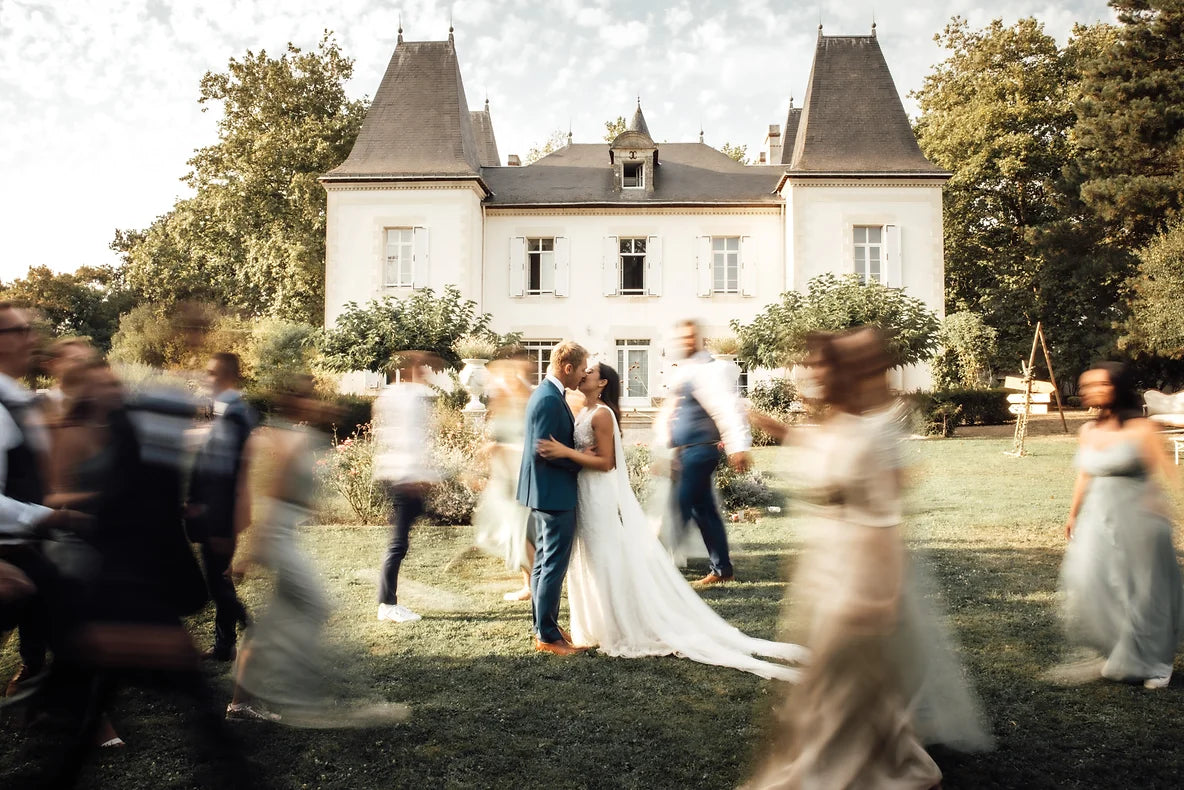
{"points": [[611, 394]]}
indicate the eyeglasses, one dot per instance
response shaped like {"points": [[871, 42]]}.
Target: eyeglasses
{"points": [[24, 330]]}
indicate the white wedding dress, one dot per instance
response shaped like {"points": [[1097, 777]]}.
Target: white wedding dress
{"points": [[627, 597]]}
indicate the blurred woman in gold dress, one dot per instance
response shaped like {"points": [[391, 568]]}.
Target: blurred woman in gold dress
{"points": [[881, 679]]}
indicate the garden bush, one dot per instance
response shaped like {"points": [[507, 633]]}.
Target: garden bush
{"points": [[740, 490], [779, 399], [348, 467], [347, 470], [351, 411], [637, 462], [940, 413]]}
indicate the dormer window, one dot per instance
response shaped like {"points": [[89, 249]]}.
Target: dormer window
{"points": [[634, 175]]}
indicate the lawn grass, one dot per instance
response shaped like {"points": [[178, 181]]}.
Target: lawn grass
{"points": [[489, 712]]}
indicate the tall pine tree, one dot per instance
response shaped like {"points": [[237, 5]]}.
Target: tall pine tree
{"points": [[1131, 122]]}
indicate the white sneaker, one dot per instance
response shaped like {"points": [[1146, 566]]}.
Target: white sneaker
{"points": [[1158, 683], [397, 613]]}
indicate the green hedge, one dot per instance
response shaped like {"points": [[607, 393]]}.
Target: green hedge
{"points": [[353, 410], [940, 413]]}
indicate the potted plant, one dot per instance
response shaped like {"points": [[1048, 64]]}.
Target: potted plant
{"points": [[475, 351]]}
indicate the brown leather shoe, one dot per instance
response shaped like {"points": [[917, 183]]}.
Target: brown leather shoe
{"points": [[712, 579], [560, 648]]}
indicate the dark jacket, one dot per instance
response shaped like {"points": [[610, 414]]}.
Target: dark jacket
{"points": [[213, 484], [547, 484]]}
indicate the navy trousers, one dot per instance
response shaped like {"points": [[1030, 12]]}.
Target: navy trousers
{"points": [[696, 500], [407, 506], [228, 609], [553, 533]]}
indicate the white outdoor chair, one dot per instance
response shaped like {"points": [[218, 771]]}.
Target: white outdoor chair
{"points": [[1168, 411]]}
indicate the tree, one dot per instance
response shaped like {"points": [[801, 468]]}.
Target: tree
{"points": [[86, 302], [737, 152], [1131, 122], [371, 337], [1156, 322], [777, 336], [555, 140], [614, 128], [1020, 246], [252, 235], [967, 348]]}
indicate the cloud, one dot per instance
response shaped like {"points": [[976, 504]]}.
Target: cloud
{"points": [[629, 35], [100, 97]]}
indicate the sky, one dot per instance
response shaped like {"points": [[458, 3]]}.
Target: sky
{"points": [[98, 98]]}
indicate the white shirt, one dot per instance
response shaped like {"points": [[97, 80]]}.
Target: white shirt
{"points": [[403, 434], [562, 389], [717, 397], [17, 518]]}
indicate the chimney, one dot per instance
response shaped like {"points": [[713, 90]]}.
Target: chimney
{"points": [[762, 159], [513, 161], [773, 143]]}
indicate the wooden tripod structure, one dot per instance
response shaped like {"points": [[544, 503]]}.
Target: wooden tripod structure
{"points": [[1021, 420]]}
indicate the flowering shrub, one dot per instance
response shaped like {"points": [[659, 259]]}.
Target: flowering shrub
{"points": [[745, 490], [637, 462], [347, 469]]}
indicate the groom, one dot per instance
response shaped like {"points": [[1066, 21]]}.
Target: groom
{"points": [[548, 488]]}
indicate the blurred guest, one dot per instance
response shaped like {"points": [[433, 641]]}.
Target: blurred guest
{"points": [[1123, 594], [701, 413], [218, 508], [882, 678], [280, 664], [403, 430], [127, 599], [502, 525], [24, 520], [284, 672], [61, 355]]}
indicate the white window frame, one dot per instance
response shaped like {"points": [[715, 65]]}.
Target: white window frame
{"points": [[863, 267], [539, 353], [626, 349], [727, 262], [626, 165], [633, 255], [546, 260], [405, 276]]}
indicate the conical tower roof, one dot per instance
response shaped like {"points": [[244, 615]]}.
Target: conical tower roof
{"points": [[419, 123], [637, 122]]}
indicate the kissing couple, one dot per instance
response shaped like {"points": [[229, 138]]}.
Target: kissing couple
{"points": [[626, 596]]}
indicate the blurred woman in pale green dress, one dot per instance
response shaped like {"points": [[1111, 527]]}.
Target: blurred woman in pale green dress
{"points": [[1121, 583]]}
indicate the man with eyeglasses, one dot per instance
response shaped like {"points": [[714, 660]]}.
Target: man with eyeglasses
{"points": [[27, 600]]}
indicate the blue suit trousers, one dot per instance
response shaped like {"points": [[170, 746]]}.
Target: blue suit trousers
{"points": [[553, 534], [696, 500]]}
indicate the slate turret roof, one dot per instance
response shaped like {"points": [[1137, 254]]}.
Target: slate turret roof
{"points": [[852, 121], [486, 142], [791, 133], [637, 122], [419, 124]]}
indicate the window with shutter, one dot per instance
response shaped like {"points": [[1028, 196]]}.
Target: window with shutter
{"points": [[397, 268]]}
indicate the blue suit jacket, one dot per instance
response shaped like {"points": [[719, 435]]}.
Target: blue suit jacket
{"points": [[543, 484]]}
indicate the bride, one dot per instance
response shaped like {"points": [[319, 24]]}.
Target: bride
{"points": [[625, 594]]}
